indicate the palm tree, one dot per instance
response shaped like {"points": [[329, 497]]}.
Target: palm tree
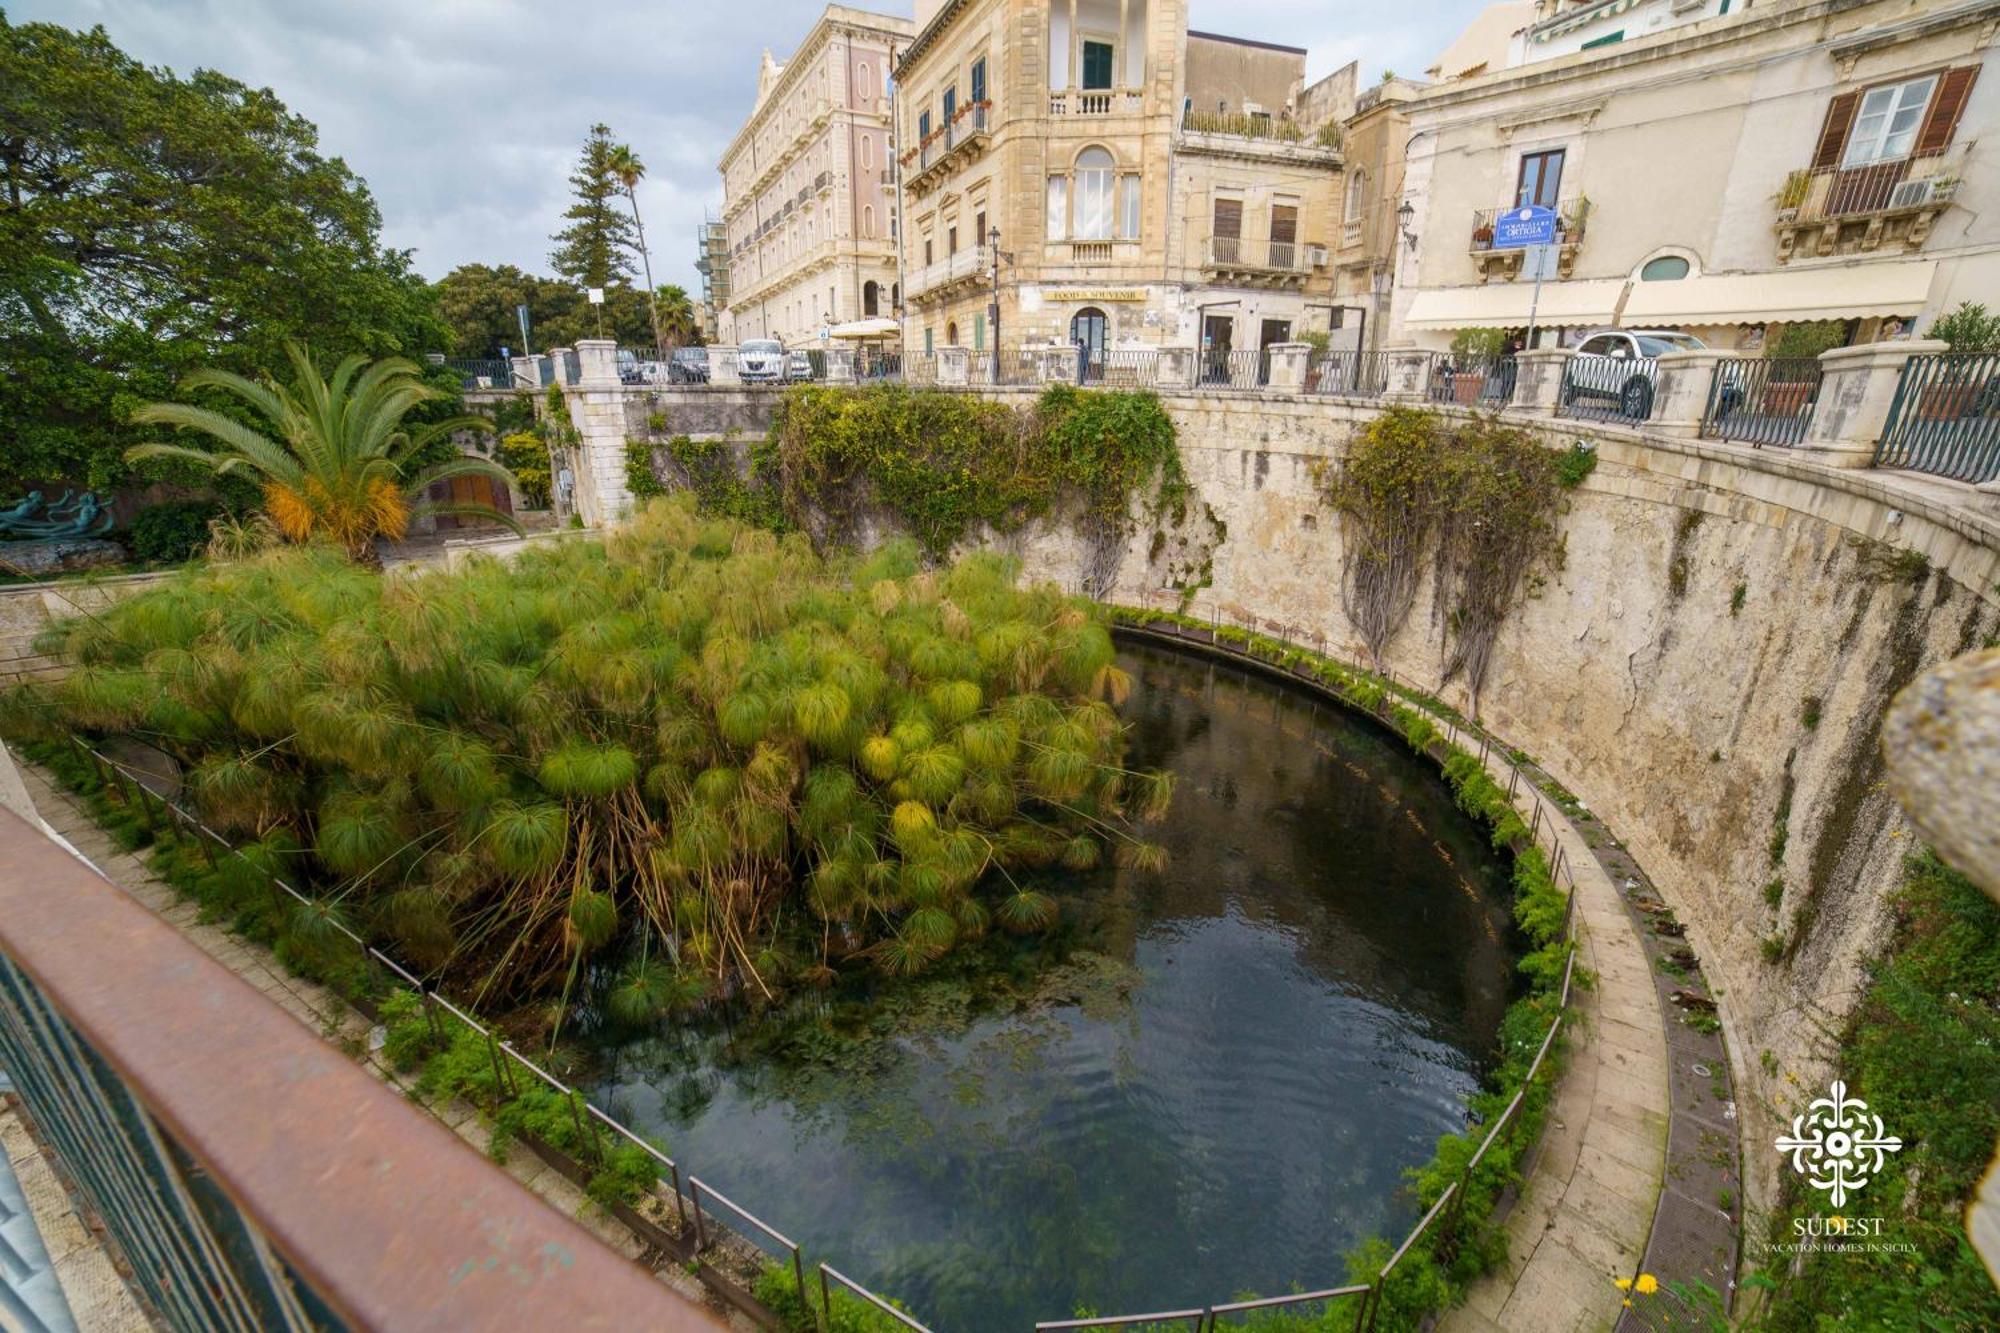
{"points": [[336, 461], [627, 167]]}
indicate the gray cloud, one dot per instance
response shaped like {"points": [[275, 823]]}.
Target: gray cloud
{"points": [[464, 116]]}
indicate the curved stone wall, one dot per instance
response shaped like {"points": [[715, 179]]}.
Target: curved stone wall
{"points": [[1699, 723]]}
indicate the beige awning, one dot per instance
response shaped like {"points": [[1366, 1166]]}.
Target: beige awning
{"points": [[1500, 305], [866, 328], [1843, 291]]}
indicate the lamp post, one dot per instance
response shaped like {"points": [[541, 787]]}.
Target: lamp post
{"points": [[1404, 217], [993, 309]]}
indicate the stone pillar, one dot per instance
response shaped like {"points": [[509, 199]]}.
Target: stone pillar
{"points": [[1680, 394], [527, 372], [597, 411], [1538, 379], [1857, 385], [558, 358], [1409, 375], [1288, 366], [722, 366], [840, 365], [1176, 369], [597, 362], [953, 366]]}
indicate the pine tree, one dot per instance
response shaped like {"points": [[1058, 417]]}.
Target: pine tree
{"points": [[594, 249]]}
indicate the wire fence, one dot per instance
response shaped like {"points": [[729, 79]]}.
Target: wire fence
{"points": [[1945, 417], [1761, 401], [699, 1239]]}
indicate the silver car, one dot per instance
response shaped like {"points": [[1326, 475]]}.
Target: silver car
{"points": [[1618, 365], [761, 360]]}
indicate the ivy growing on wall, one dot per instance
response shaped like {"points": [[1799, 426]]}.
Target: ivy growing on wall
{"points": [[1476, 499]]}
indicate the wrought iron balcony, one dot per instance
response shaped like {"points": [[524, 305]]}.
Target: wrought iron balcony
{"points": [[1267, 263], [953, 144], [966, 268], [1572, 220], [1833, 210]]}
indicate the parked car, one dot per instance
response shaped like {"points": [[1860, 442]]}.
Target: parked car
{"points": [[1618, 366], [799, 366], [761, 360], [688, 365]]}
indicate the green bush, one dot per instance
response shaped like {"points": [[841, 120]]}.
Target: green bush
{"points": [[1969, 328], [171, 533]]}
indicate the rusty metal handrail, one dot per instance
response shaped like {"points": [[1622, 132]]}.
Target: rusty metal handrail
{"points": [[826, 1299], [1119, 1321]]}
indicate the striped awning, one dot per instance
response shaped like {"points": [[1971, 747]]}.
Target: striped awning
{"points": [[1502, 305]]}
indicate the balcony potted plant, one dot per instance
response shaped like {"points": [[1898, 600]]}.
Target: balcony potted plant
{"points": [[1475, 349], [1482, 235], [1956, 387]]}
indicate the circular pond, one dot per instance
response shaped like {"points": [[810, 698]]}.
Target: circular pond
{"points": [[1210, 1083]]}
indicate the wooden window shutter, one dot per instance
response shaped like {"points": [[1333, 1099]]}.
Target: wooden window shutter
{"points": [[1229, 218], [1833, 134], [1947, 105]]}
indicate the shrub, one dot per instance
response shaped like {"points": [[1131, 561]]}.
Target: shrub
{"points": [[526, 455], [1969, 328], [171, 533]]}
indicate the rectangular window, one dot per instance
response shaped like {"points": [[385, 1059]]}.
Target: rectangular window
{"points": [[979, 332], [1094, 203], [1128, 208], [950, 241], [928, 256], [1541, 178], [1284, 236], [1228, 218], [950, 102], [1886, 127], [979, 79], [1096, 65], [929, 342], [923, 126], [979, 228], [1058, 215]]}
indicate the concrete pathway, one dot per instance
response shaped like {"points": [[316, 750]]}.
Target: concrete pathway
{"points": [[1586, 1208]]}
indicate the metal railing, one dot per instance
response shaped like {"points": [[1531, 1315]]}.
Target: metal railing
{"points": [[1442, 1221], [1351, 374], [481, 373], [1572, 216], [1945, 417], [1608, 388], [698, 1233], [1017, 366], [1472, 381], [1271, 256], [1231, 369], [1761, 400], [1119, 368], [966, 264], [1815, 194]]}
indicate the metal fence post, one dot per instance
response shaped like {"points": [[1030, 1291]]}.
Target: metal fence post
{"points": [[825, 1298], [799, 1272], [700, 1233]]}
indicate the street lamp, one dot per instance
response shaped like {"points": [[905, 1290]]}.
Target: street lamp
{"points": [[1404, 217], [993, 309]]}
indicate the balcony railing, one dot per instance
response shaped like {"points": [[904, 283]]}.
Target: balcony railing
{"points": [[966, 265], [1233, 252], [1095, 101], [1571, 216], [1883, 202], [959, 137]]}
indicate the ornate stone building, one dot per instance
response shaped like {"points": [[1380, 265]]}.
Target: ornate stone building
{"points": [[1149, 186], [808, 195], [1716, 168]]}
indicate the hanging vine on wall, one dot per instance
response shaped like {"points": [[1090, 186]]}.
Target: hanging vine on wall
{"points": [[1477, 498]]}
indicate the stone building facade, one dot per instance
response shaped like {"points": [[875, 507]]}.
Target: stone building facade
{"points": [[1149, 186], [1727, 175], [808, 195]]}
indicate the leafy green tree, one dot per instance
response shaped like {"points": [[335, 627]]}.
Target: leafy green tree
{"points": [[339, 462], [680, 325], [629, 170], [477, 301], [591, 251], [152, 224]]}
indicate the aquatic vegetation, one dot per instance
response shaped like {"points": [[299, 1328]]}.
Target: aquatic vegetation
{"points": [[702, 746]]}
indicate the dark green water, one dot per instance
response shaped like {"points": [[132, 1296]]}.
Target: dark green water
{"points": [[1216, 1093]]}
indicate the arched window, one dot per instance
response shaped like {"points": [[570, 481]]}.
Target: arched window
{"points": [[951, 334], [1357, 195], [1667, 268], [895, 295], [1089, 327], [871, 299], [1095, 176], [868, 220]]}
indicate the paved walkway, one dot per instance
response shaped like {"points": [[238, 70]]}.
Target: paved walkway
{"points": [[332, 1018], [1586, 1209]]}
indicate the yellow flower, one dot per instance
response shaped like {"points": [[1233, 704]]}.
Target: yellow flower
{"points": [[1627, 1302], [1625, 1284], [1648, 1284]]}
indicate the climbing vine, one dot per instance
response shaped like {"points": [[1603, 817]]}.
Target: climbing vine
{"points": [[1478, 499]]}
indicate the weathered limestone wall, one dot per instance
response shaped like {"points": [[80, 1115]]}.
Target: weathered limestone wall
{"points": [[27, 609], [1684, 720]]}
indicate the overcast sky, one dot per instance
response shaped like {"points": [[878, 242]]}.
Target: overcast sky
{"points": [[464, 116]]}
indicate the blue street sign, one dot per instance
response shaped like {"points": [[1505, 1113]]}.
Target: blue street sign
{"points": [[1520, 227]]}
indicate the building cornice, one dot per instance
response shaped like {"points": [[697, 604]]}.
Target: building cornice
{"points": [[928, 37], [891, 29], [1679, 44]]}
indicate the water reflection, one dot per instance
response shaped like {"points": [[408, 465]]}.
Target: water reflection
{"points": [[1216, 1092]]}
